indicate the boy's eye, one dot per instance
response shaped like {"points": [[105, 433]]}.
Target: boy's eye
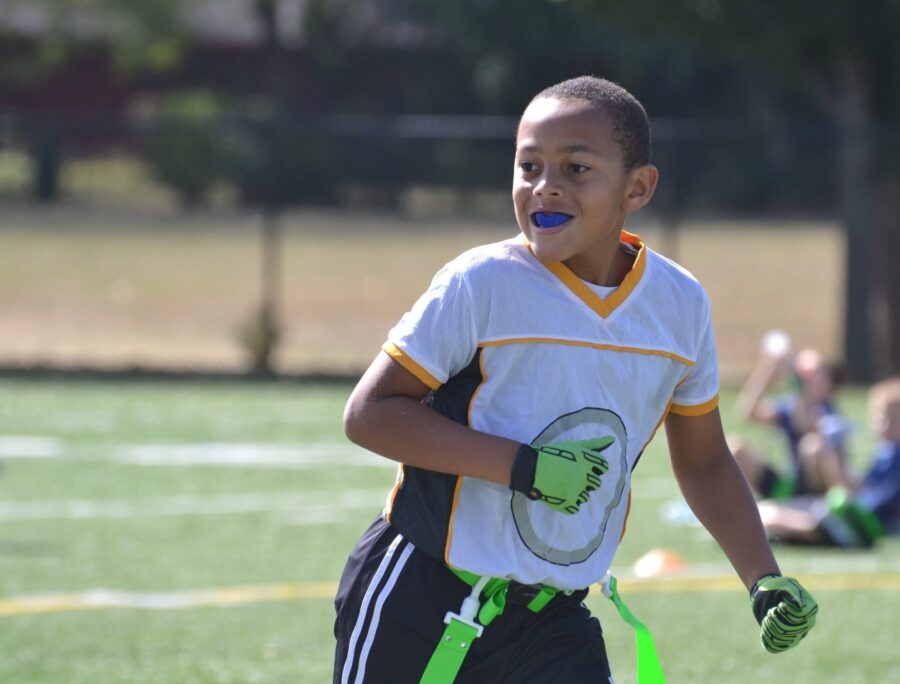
{"points": [[578, 168], [528, 167]]}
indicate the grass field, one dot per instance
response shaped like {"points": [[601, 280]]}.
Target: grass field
{"points": [[186, 532], [114, 287]]}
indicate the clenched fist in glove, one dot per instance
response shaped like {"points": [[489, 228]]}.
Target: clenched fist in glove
{"points": [[784, 610]]}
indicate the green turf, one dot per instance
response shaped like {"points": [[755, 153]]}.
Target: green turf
{"points": [[168, 528]]}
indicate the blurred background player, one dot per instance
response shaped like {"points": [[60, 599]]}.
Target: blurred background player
{"points": [[853, 513], [813, 428]]}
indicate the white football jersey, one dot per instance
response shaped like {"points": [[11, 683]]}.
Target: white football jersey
{"points": [[524, 349]]}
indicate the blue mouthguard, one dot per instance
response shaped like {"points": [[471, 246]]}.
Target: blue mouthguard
{"points": [[545, 220]]}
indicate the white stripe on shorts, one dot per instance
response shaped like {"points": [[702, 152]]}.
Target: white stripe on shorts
{"points": [[376, 616], [364, 608]]}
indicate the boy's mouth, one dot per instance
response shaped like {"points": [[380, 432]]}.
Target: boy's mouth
{"points": [[549, 219]]}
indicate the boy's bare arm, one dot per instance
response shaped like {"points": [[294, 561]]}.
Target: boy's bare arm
{"points": [[385, 414], [717, 492]]}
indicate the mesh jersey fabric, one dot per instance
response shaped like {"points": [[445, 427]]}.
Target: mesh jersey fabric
{"points": [[555, 362]]}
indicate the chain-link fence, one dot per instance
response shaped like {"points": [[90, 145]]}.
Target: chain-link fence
{"points": [[202, 239], [193, 148]]}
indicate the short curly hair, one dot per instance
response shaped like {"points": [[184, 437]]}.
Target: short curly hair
{"points": [[629, 118]]}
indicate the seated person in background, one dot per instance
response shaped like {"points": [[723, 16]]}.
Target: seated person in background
{"points": [[813, 428], [852, 513]]}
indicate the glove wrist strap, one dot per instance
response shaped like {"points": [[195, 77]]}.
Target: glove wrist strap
{"points": [[760, 580], [523, 471]]}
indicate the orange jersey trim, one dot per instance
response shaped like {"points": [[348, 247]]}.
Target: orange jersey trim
{"points": [[658, 425], [392, 495], [592, 345], [459, 479], [409, 364], [477, 389], [697, 409], [646, 444], [603, 307], [627, 515]]}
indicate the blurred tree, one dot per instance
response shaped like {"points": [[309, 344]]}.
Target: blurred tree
{"points": [[182, 146], [847, 57], [507, 52], [185, 144], [511, 52], [266, 326], [141, 34], [842, 58]]}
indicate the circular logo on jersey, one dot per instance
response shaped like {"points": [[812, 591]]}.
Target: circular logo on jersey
{"points": [[563, 539]]}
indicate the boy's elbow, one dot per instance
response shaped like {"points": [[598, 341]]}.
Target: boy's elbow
{"points": [[353, 422], [360, 417]]}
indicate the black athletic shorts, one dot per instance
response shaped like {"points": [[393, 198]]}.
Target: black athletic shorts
{"points": [[391, 604]]}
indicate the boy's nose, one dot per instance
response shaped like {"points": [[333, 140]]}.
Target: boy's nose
{"points": [[547, 185]]}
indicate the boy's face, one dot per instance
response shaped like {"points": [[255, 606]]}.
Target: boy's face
{"points": [[815, 376], [884, 418], [570, 177]]}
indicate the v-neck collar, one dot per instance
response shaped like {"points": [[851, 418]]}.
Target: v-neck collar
{"points": [[602, 307]]}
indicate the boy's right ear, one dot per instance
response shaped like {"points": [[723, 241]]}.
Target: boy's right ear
{"points": [[642, 185]]}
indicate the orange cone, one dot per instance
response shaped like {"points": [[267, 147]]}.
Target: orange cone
{"points": [[658, 562]]}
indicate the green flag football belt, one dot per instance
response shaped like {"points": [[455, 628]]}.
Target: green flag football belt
{"points": [[475, 614], [864, 525], [462, 628]]}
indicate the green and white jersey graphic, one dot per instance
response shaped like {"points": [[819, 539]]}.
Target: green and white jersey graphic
{"points": [[537, 526]]}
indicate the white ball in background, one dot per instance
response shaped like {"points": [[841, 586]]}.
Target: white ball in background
{"points": [[776, 343]]}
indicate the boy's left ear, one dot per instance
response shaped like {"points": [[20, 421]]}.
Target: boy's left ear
{"points": [[641, 187]]}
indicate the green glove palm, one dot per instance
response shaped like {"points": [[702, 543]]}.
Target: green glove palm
{"points": [[785, 611], [567, 472]]}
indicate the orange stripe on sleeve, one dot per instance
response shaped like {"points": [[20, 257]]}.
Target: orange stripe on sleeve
{"points": [[697, 409], [409, 364]]}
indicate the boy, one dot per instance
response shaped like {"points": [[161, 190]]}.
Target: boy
{"points": [[851, 514], [813, 429], [518, 395]]}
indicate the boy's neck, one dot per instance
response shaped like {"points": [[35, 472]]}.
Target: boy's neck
{"points": [[606, 273]]}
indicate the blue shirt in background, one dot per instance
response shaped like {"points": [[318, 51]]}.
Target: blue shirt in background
{"points": [[880, 490]]}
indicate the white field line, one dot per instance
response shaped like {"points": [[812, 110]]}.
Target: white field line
{"points": [[96, 599], [247, 455], [229, 454], [29, 446], [302, 507], [252, 455], [309, 507], [870, 565]]}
